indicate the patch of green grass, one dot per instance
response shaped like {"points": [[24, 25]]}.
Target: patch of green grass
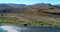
{"points": [[21, 23]]}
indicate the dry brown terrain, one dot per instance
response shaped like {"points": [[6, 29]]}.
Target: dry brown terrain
{"points": [[31, 15]]}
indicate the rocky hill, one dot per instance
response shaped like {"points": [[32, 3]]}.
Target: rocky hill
{"points": [[33, 15]]}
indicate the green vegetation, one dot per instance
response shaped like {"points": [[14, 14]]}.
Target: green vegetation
{"points": [[26, 23]]}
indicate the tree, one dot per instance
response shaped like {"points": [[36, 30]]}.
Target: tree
{"points": [[2, 14], [25, 24], [42, 24]]}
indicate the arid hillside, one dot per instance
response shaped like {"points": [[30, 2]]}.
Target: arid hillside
{"points": [[46, 15]]}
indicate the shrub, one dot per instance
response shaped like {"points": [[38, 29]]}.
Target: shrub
{"points": [[51, 8], [42, 24], [25, 24], [39, 10], [2, 14], [50, 24], [55, 25]]}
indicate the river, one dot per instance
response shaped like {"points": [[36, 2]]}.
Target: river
{"points": [[9, 28]]}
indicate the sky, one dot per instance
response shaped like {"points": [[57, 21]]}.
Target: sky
{"points": [[30, 2]]}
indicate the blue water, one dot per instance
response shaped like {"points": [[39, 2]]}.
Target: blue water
{"points": [[6, 28], [42, 29]]}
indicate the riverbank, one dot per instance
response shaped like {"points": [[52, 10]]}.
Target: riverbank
{"points": [[29, 20]]}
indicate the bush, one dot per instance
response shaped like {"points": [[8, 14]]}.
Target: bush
{"points": [[51, 8], [55, 25], [2, 14], [42, 24], [50, 24], [39, 10], [25, 24]]}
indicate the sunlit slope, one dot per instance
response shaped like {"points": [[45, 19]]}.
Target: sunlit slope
{"points": [[29, 19], [31, 15]]}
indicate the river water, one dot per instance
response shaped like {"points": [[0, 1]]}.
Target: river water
{"points": [[9, 28]]}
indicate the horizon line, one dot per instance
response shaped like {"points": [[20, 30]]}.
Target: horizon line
{"points": [[29, 4]]}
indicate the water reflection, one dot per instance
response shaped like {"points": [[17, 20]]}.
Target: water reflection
{"points": [[8, 28]]}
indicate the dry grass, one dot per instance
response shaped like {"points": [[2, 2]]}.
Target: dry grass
{"points": [[29, 19]]}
